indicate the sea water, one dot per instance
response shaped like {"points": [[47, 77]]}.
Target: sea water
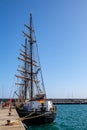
{"points": [[69, 117]]}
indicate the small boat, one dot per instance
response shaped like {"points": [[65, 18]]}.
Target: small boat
{"points": [[32, 105]]}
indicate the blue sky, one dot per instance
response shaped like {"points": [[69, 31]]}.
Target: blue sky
{"points": [[61, 33]]}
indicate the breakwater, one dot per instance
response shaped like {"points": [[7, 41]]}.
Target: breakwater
{"points": [[69, 101], [58, 101]]}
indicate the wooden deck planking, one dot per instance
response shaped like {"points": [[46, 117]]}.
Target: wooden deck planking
{"points": [[4, 116]]}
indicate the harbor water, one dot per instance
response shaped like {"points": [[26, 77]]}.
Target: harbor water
{"points": [[69, 117]]}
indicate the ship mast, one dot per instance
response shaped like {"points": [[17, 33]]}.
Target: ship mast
{"points": [[31, 76], [25, 82], [31, 43]]}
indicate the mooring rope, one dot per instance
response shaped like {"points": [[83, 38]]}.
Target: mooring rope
{"points": [[24, 118]]}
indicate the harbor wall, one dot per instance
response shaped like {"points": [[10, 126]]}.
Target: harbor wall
{"points": [[58, 101], [69, 101]]}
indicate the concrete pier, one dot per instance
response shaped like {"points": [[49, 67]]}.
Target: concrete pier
{"points": [[9, 120]]}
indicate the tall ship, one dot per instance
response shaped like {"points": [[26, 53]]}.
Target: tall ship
{"points": [[32, 105]]}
